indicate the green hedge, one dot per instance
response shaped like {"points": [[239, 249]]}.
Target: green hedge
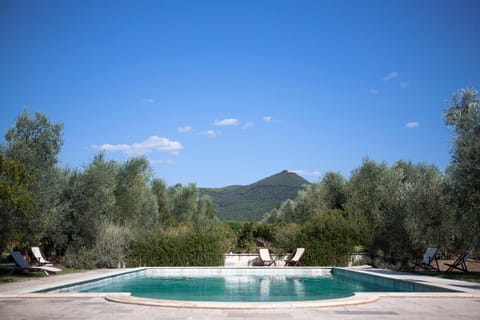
{"points": [[247, 232], [328, 239], [190, 248]]}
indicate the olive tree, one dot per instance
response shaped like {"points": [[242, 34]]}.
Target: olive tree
{"points": [[136, 204], [88, 200], [35, 142], [463, 118], [428, 218], [184, 201], [159, 189], [16, 204]]}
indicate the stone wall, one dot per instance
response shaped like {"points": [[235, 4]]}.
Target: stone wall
{"points": [[250, 260]]}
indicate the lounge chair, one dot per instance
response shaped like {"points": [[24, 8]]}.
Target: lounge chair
{"points": [[429, 258], [461, 262], [37, 253], [265, 257], [295, 260], [23, 265]]}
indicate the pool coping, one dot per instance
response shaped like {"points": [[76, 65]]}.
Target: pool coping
{"points": [[463, 290]]}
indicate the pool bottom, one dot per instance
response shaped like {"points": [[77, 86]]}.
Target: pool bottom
{"points": [[231, 288], [244, 288]]}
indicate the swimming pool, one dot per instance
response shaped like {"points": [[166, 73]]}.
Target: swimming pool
{"points": [[246, 284]]}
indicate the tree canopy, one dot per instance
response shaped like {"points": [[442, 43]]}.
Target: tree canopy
{"points": [[463, 117]]}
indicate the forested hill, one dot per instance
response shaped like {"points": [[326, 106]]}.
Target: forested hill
{"points": [[252, 201]]}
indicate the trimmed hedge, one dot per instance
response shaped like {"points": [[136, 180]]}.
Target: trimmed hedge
{"points": [[189, 248], [328, 238]]}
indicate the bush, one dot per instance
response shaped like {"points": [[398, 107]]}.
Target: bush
{"points": [[179, 247], [110, 250], [328, 238], [285, 236], [112, 245], [250, 234], [79, 258]]}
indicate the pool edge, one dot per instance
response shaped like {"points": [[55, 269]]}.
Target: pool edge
{"points": [[357, 299]]}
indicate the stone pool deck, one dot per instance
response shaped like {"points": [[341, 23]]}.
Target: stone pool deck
{"points": [[17, 302]]}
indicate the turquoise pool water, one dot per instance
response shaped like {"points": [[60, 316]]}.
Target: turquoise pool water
{"points": [[247, 288]]}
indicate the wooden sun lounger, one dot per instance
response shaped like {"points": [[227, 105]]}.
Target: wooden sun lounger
{"points": [[295, 260], [461, 262], [265, 257]]}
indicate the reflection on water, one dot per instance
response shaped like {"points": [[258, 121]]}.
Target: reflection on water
{"points": [[265, 288], [299, 289], [236, 288]]}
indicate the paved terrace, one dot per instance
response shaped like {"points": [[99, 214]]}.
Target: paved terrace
{"points": [[17, 302]]}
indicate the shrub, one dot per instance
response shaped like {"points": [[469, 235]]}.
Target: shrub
{"points": [[79, 258], [112, 245], [285, 236], [250, 234], [179, 247], [327, 236]]}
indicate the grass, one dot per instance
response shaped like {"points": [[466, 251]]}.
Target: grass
{"points": [[6, 276]]}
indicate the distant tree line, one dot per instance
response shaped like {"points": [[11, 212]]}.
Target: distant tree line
{"points": [[396, 211], [111, 213]]}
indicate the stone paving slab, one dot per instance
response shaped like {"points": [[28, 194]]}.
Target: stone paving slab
{"points": [[97, 308]]}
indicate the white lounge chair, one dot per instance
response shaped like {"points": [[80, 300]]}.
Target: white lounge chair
{"points": [[23, 265], [265, 257], [295, 260], [37, 253]]}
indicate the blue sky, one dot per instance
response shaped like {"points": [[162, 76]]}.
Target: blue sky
{"points": [[228, 92]]}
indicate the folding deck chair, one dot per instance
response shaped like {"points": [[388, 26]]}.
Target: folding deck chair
{"points": [[265, 257], [461, 262], [429, 258], [295, 260]]}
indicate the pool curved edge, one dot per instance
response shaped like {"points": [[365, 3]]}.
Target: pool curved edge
{"points": [[358, 298]]}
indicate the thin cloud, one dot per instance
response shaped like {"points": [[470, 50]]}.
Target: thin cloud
{"points": [[390, 76], [374, 91], [248, 125], [268, 118], [226, 122], [209, 133], [185, 130], [153, 161], [151, 144], [412, 125], [147, 101], [313, 174], [404, 84]]}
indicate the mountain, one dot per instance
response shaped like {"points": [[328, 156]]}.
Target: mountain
{"points": [[245, 203]]}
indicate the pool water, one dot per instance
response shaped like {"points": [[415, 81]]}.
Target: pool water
{"points": [[247, 288]]}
